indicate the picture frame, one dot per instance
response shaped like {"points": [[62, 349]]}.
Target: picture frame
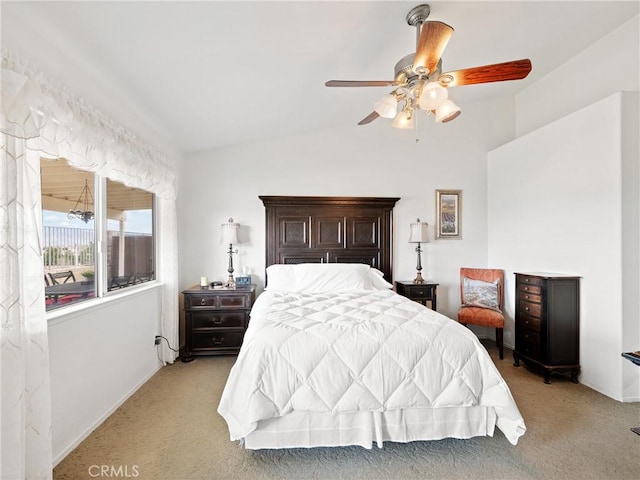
{"points": [[448, 213]]}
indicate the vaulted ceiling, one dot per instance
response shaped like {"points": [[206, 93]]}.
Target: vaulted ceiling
{"points": [[207, 74]]}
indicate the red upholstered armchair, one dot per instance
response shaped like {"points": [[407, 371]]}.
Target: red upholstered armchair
{"points": [[482, 296]]}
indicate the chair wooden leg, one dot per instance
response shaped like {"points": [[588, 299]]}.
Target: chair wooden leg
{"points": [[499, 342]]}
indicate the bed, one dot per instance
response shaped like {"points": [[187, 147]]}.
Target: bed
{"points": [[333, 357]]}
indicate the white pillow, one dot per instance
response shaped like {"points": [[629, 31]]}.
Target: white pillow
{"points": [[377, 280], [281, 277], [323, 277], [332, 277]]}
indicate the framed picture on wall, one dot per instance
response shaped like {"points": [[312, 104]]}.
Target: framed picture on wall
{"points": [[448, 213]]}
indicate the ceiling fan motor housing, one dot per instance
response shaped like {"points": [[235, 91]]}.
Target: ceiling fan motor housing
{"points": [[404, 73]]}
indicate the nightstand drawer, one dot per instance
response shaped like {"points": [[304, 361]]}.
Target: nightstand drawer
{"points": [[195, 301], [234, 301], [420, 292], [240, 300], [216, 340], [215, 319], [531, 309]]}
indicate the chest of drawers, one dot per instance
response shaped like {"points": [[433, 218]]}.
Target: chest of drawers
{"points": [[547, 323], [215, 320]]}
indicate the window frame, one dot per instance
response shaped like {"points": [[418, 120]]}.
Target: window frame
{"points": [[100, 266]]}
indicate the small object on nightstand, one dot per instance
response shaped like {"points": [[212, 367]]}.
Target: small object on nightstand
{"points": [[419, 292], [243, 281]]}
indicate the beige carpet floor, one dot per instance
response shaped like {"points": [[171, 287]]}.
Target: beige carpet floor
{"points": [[170, 430]]}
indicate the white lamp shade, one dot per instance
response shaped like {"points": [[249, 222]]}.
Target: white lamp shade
{"points": [[433, 95], [403, 120], [419, 232], [447, 112], [387, 106], [230, 232]]}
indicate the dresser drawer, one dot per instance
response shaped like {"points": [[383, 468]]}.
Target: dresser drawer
{"points": [[528, 337], [216, 340], [531, 297], [527, 288], [218, 318], [194, 301], [530, 323], [531, 309], [530, 350], [526, 280]]}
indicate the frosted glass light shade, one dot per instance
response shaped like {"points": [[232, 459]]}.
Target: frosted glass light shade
{"points": [[230, 231], [433, 95], [403, 120], [447, 112], [387, 106]]}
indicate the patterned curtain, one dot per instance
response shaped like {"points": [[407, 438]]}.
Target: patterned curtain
{"points": [[39, 118]]}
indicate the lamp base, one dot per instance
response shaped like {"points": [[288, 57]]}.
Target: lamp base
{"points": [[231, 283], [418, 278]]}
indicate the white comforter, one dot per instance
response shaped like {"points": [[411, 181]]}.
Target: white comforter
{"points": [[352, 351]]}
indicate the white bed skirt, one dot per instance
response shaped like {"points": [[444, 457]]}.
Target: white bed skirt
{"points": [[319, 429]]}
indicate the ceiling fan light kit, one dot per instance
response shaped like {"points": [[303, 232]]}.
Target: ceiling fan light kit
{"points": [[419, 81]]}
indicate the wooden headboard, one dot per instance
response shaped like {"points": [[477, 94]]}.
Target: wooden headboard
{"points": [[330, 229]]}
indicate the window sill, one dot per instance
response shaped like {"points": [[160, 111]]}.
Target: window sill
{"points": [[63, 313]]}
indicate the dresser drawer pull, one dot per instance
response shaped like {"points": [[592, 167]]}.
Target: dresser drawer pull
{"points": [[526, 322], [217, 320], [216, 341], [526, 308], [203, 301]]}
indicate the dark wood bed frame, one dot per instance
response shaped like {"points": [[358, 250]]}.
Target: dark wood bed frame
{"points": [[331, 230]]}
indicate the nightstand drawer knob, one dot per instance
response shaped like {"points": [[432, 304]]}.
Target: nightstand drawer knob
{"points": [[526, 308], [218, 340], [203, 301], [217, 320]]}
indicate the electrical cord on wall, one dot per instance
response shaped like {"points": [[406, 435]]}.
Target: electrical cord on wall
{"points": [[168, 344]]}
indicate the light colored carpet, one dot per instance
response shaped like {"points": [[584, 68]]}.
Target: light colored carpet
{"points": [[170, 430]]}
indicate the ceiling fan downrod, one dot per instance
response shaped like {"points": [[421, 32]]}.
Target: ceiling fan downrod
{"points": [[416, 17]]}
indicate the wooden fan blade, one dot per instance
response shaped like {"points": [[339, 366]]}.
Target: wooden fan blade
{"points": [[359, 83], [499, 72], [369, 118], [434, 37]]}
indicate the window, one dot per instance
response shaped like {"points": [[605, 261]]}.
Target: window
{"points": [[130, 258], [71, 213]]}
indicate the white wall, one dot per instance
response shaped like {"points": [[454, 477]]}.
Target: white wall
{"points": [[99, 356], [612, 64], [555, 206], [374, 160]]}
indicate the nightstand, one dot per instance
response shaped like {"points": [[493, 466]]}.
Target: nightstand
{"points": [[419, 292], [215, 320]]}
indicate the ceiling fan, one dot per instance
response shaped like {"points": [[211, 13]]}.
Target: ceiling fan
{"points": [[419, 81]]}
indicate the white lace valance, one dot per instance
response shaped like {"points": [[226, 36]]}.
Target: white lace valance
{"points": [[58, 124]]}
